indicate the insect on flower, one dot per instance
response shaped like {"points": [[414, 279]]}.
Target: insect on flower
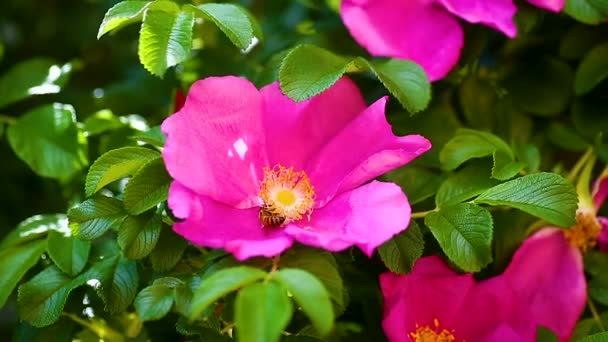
{"points": [[270, 217]]}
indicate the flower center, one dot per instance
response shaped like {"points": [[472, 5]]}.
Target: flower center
{"points": [[586, 231], [427, 333], [286, 195]]}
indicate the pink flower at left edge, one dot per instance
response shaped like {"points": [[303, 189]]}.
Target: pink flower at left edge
{"points": [[427, 31], [544, 285], [254, 171]]}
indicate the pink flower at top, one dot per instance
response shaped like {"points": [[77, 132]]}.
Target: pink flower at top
{"points": [[544, 285], [254, 171], [427, 31]]}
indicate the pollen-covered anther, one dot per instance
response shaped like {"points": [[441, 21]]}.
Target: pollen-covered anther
{"points": [[427, 333], [287, 195], [586, 231]]}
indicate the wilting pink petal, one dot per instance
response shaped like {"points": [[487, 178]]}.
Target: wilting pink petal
{"points": [[366, 216], [296, 131], [213, 224], [215, 143], [546, 274], [551, 5], [497, 14], [602, 240], [407, 29], [378, 151], [432, 291]]}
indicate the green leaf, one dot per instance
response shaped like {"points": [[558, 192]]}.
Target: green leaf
{"points": [[261, 312], [600, 337], [221, 283], [308, 70], [100, 122], [545, 335], [401, 252], [322, 265], [32, 77], [154, 302], [478, 100], [566, 137], [235, 21], [49, 142], [541, 87], [405, 79], [587, 11], [505, 167], [93, 217], [152, 136], [417, 182], [34, 228], [168, 251], [138, 235], [544, 195], [468, 144], [148, 187], [466, 183], [42, 298], [116, 164], [118, 280], [165, 38], [122, 14], [311, 296], [464, 232], [16, 261], [67, 252], [592, 70]]}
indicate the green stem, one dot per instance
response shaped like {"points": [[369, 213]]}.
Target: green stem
{"points": [[596, 316], [579, 165], [422, 214], [275, 263]]}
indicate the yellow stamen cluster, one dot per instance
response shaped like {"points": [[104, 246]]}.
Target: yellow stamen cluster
{"points": [[432, 334], [286, 194], [586, 231]]}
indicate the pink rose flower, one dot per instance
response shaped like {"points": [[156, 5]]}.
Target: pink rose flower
{"points": [[544, 285], [599, 193], [254, 171], [427, 31]]}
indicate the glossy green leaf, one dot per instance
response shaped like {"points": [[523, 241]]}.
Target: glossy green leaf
{"points": [[505, 167], [32, 77], [468, 144], [464, 232], [262, 311], [401, 252], [307, 70], [544, 195], [405, 80], [310, 294], [67, 252], [590, 12], [592, 70], [468, 182], [42, 298], [117, 282], [236, 23], [101, 122], [122, 14], [220, 284], [148, 187], [138, 235], [545, 335], [16, 261], [49, 142], [168, 251], [152, 136], [116, 164], [599, 337], [93, 217], [165, 38], [154, 302], [33, 228]]}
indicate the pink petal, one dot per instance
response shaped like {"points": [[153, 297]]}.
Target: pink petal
{"points": [[215, 143], [551, 5], [547, 275], [602, 240], [504, 333], [412, 29], [212, 224], [367, 217], [296, 131], [421, 297], [363, 150], [600, 190], [497, 14]]}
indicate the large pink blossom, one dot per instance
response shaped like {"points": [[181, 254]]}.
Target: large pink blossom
{"points": [[544, 285], [427, 31], [254, 171]]}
